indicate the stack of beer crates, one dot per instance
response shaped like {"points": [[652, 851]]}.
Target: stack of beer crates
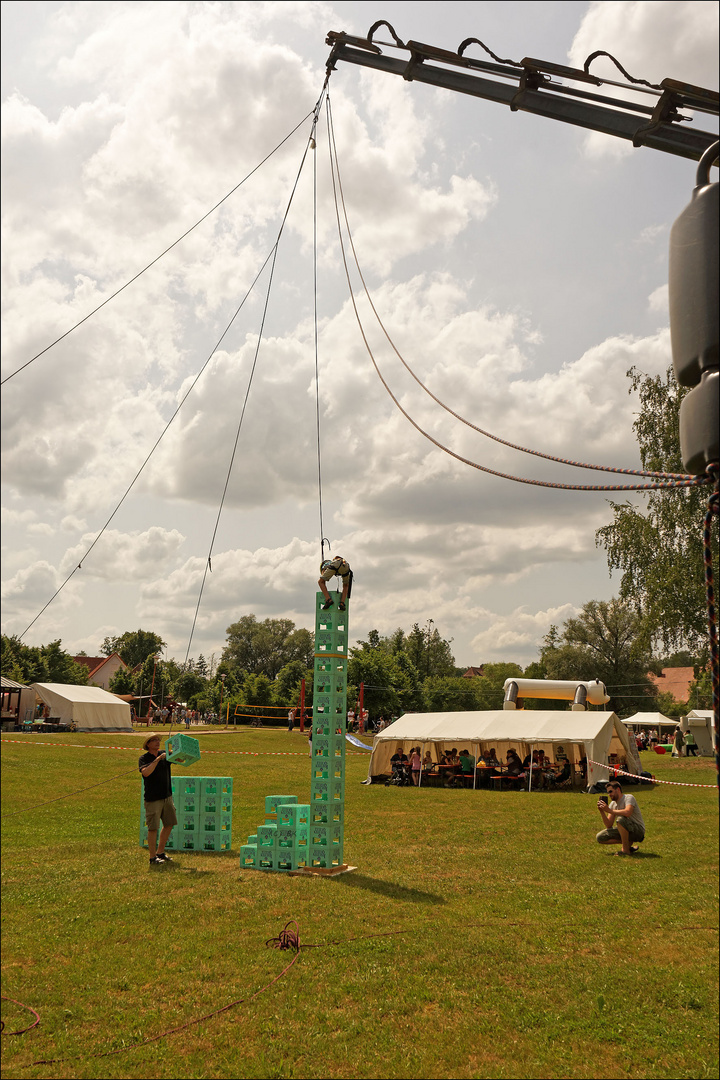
{"points": [[297, 835], [204, 813]]}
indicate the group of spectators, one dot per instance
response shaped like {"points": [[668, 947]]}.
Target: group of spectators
{"points": [[453, 767], [683, 742], [179, 715]]}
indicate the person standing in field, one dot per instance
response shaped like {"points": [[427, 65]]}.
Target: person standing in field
{"points": [[159, 806]]}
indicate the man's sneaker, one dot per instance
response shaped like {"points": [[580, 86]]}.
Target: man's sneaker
{"points": [[327, 605], [163, 857], [341, 605], [155, 861]]}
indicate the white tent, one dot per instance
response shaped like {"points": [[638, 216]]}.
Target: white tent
{"points": [[573, 735], [91, 708], [650, 720], [700, 722]]}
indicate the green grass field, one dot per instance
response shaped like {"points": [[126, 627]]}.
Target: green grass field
{"points": [[482, 934]]}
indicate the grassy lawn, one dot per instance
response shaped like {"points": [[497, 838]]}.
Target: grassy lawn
{"points": [[506, 942]]}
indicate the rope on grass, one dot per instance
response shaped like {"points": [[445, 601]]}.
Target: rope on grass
{"points": [[22, 1005], [672, 783]]}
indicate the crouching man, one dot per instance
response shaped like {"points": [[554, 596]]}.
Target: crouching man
{"points": [[159, 805], [622, 819]]}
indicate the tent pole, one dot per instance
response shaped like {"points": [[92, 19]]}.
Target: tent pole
{"points": [[475, 768], [531, 764], [421, 765]]}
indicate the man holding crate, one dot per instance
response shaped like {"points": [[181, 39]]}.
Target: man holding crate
{"points": [[159, 806]]}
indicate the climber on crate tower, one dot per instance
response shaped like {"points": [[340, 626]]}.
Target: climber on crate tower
{"points": [[330, 568]]}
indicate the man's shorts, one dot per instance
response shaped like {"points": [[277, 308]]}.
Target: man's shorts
{"points": [[330, 573], [612, 836], [160, 810]]}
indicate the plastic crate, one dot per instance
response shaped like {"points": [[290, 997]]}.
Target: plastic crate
{"points": [[187, 803], [226, 785], [319, 791], [189, 841], [253, 839], [289, 837], [266, 858], [273, 801], [188, 823], [215, 841], [290, 860], [225, 804], [293, 814], [186, 785], [182, 749], [266, 836], [248, 855], [328, 813], [330, 836]]}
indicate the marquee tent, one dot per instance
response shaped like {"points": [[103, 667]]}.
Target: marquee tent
{"points": [[91, 708], [574, 735]]}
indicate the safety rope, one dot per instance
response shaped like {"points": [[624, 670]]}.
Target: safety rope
{"points": [[672, 783], [463, 420], [288, 939], [208, 563], [158, 257], [315, 338], [155, 445], [661, 485], [22, 1006]]}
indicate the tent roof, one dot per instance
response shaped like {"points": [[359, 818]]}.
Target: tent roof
{"points": [[498, 725], [651, 719], [81, 694], [10, 684]]}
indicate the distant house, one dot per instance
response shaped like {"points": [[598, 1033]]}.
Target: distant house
{"points": [[101, 668], [675, 681], [474, 672]]}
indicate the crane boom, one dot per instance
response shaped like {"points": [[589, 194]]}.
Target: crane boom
{"points": [[532, 86]]}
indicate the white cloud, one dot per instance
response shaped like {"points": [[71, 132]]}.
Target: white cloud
{"points": [[119, 557], [653, 40], [658, 300], [517, 632]]}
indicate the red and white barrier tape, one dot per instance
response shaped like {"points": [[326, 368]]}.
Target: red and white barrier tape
{"points": [[673, 783], [134, 749]]}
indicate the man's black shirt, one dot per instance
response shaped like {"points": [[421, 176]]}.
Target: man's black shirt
{"points": [[158, 785]]}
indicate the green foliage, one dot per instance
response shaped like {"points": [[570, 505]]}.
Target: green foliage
{"points": [[265, 647], [40, 663], [607, 641], [428, 652], [489, 686], [658, 548], [700, 695], [449, 693], [123, 681], [134, 646]]}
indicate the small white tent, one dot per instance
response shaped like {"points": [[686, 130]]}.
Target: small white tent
{"points": [[594, 735], [700, 722], [650, 720], [89, 707]]}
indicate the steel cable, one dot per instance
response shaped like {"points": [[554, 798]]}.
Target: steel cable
{"points": [[662, 485]]}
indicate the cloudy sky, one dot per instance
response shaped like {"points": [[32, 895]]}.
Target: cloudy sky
{"points": [[520, 266]]}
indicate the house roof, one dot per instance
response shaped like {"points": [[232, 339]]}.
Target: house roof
{"points": [[675, 681], [94, 663], [473, 672]]}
